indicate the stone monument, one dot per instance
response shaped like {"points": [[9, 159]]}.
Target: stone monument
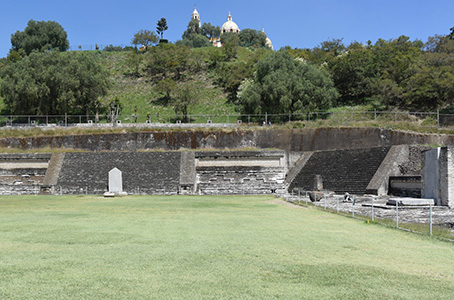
{"points": [[116, 182]]}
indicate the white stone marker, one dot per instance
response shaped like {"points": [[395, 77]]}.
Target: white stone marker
{"points": [[115, 181]]}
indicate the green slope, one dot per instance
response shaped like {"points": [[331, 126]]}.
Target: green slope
{"points": [[138, 92]]}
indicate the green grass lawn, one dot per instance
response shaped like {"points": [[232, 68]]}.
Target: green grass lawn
{"points": [[175, 247]]}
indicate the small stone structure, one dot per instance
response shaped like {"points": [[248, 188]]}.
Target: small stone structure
{"points": [[410, 202]]}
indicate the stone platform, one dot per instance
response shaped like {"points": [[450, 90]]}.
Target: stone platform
{"points": [[411, 202]]}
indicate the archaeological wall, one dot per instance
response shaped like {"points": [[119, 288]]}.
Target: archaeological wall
{"points": [[363, 161], [297, 140]]}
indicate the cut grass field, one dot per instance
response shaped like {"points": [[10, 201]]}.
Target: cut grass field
{"points": [[209, 247]]}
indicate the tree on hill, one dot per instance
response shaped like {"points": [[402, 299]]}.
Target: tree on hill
{"points": [[168, 60], [185, 95], [283, 84], [40, 36], [355, 74], [161, 27], [230, 41], [211, 31], [144, 38], [193, 28], [166, 87], [252, 38], [193, 36], [53, 83], [429, 84], [195, 41]]}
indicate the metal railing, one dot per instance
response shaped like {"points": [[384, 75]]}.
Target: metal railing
{"points": [[434, 119], [372, 210]]}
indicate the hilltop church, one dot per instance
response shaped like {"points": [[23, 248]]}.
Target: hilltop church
{"points": [[228, 26]]}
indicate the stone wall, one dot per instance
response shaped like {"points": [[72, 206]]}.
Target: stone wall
{"points": [[22, 173], [285, 139], [221, 172], [142, 172], [20, 189], [240, 172]]}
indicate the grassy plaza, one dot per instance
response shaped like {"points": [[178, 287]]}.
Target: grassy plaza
{"points": [[209, 247]]}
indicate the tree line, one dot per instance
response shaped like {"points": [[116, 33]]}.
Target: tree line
{"points": [[40, 77]]}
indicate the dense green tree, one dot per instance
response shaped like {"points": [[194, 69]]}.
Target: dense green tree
{"points": [[145, 38], [394, 60], [252, 38], [196, 37], [54, 83], [14, 56], [230, 42], [166, 87], [430, 85], [185, 95], [283, 84], [211, 31], [196, 41], [40, 36], [355, 74], [232, 74], [230, 38], [161, 26], [193, 28], [325, 53], [168, 60]]}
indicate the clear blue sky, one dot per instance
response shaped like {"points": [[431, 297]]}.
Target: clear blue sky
{"points": [[297, 23]]}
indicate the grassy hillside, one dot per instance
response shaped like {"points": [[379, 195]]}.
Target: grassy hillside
{"points": [[138, 92], [201, 247]]}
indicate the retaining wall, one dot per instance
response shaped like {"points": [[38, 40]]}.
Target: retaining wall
{"points": [[284, 139]]}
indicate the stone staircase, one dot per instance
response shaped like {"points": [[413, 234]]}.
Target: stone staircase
{"points": [[341, 170]]}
